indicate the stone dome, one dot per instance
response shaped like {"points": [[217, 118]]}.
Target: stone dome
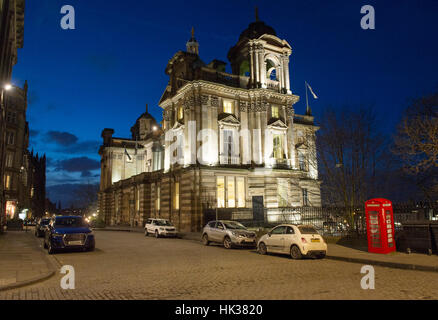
{"points": [[257, 29]]}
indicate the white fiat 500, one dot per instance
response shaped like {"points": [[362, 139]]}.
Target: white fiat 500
{"points": [[297, 241]]}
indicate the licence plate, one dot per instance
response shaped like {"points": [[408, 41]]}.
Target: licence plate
{"points": [[75, 243], [315, 240]]}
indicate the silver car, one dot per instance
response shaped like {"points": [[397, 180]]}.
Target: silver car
{"points": [[229, 233]]}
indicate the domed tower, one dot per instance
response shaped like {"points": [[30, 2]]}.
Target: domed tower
{"points": [[144, 126], [263, 57]]}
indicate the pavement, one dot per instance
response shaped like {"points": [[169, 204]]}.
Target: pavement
{"points": [[128, 265], [22, 262], [398, 260]]}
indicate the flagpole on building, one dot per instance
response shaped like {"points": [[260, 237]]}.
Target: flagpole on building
{"points": [[307, 99]]}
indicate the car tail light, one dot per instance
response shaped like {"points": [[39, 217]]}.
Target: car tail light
{"points": [[304, 240]]}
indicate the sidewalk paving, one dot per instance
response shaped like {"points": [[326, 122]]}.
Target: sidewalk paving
{"points": [[399, 260], [22, 262]]}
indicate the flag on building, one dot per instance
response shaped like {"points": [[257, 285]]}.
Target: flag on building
{"points": [[311, 91]]}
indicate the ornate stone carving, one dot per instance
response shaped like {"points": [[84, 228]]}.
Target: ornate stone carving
{"points": [[214, 101], [242, 105], [204, 99]]}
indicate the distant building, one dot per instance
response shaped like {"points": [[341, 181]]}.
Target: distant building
{"points": [[11, 39], [230, 141], [36, 185]]}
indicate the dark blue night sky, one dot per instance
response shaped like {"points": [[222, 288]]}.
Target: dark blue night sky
{"points": [[102, 74]]}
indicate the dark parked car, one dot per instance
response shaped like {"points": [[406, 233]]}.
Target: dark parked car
{"points": [[41, 226], [68, 233]]}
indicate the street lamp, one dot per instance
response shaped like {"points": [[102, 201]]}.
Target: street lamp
{"points": [[7, 86]]}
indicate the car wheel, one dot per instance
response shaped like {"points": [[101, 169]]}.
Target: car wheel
{"points": [[321, 256], [205, 240], [295, 253], [157, 235], [50, 249], [262, 248], [227, 243]]}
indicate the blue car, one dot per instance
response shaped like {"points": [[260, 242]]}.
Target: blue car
{"points": [[68, 232]]}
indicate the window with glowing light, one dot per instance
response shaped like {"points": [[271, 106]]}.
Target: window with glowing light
{"points": [[220, 186], [8, 182], [231, 193], [240, 192], [180, 113], [176, 196], [157, 199], [228, 106], [275, 113]]}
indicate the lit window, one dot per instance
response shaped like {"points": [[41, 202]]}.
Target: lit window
{"points": [[240, 192], [176, 197], [8, 182], [220, 184], [157, 200], [228, 106], [282, 193], [278, 146], [275, 112], [137, 203], [231, 193], [180, 113]]}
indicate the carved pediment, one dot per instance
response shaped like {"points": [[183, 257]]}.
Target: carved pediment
{"points": [[229, 119], [277, 124]]}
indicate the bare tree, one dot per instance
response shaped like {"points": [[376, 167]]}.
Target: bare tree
{"points": [[349, 147], [87, 197], [416, 143]]}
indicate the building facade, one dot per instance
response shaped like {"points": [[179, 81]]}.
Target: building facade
{"points": [[230, 142], [11, 39]]}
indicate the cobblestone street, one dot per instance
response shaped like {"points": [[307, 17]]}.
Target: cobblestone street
{"points": [[127, 265]]}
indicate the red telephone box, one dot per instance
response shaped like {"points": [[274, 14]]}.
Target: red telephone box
{"points": [[380, 226]]}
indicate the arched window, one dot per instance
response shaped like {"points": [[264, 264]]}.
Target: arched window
{"points": [[244, 68], [271, 70]]}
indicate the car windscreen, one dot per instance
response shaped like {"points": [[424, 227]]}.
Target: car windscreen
{"points": [[234, 225], [70, 222], [307, 230], [162, 223]]}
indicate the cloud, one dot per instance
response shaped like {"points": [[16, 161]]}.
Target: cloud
{"points": [[80, 164], [61, 138], [84, 147]]}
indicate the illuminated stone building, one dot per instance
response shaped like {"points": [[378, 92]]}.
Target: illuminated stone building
{"points": [[11, 39], [232, 142]]}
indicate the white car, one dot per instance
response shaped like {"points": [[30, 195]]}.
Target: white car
{"points": [[160, 228], [295, 240]]}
